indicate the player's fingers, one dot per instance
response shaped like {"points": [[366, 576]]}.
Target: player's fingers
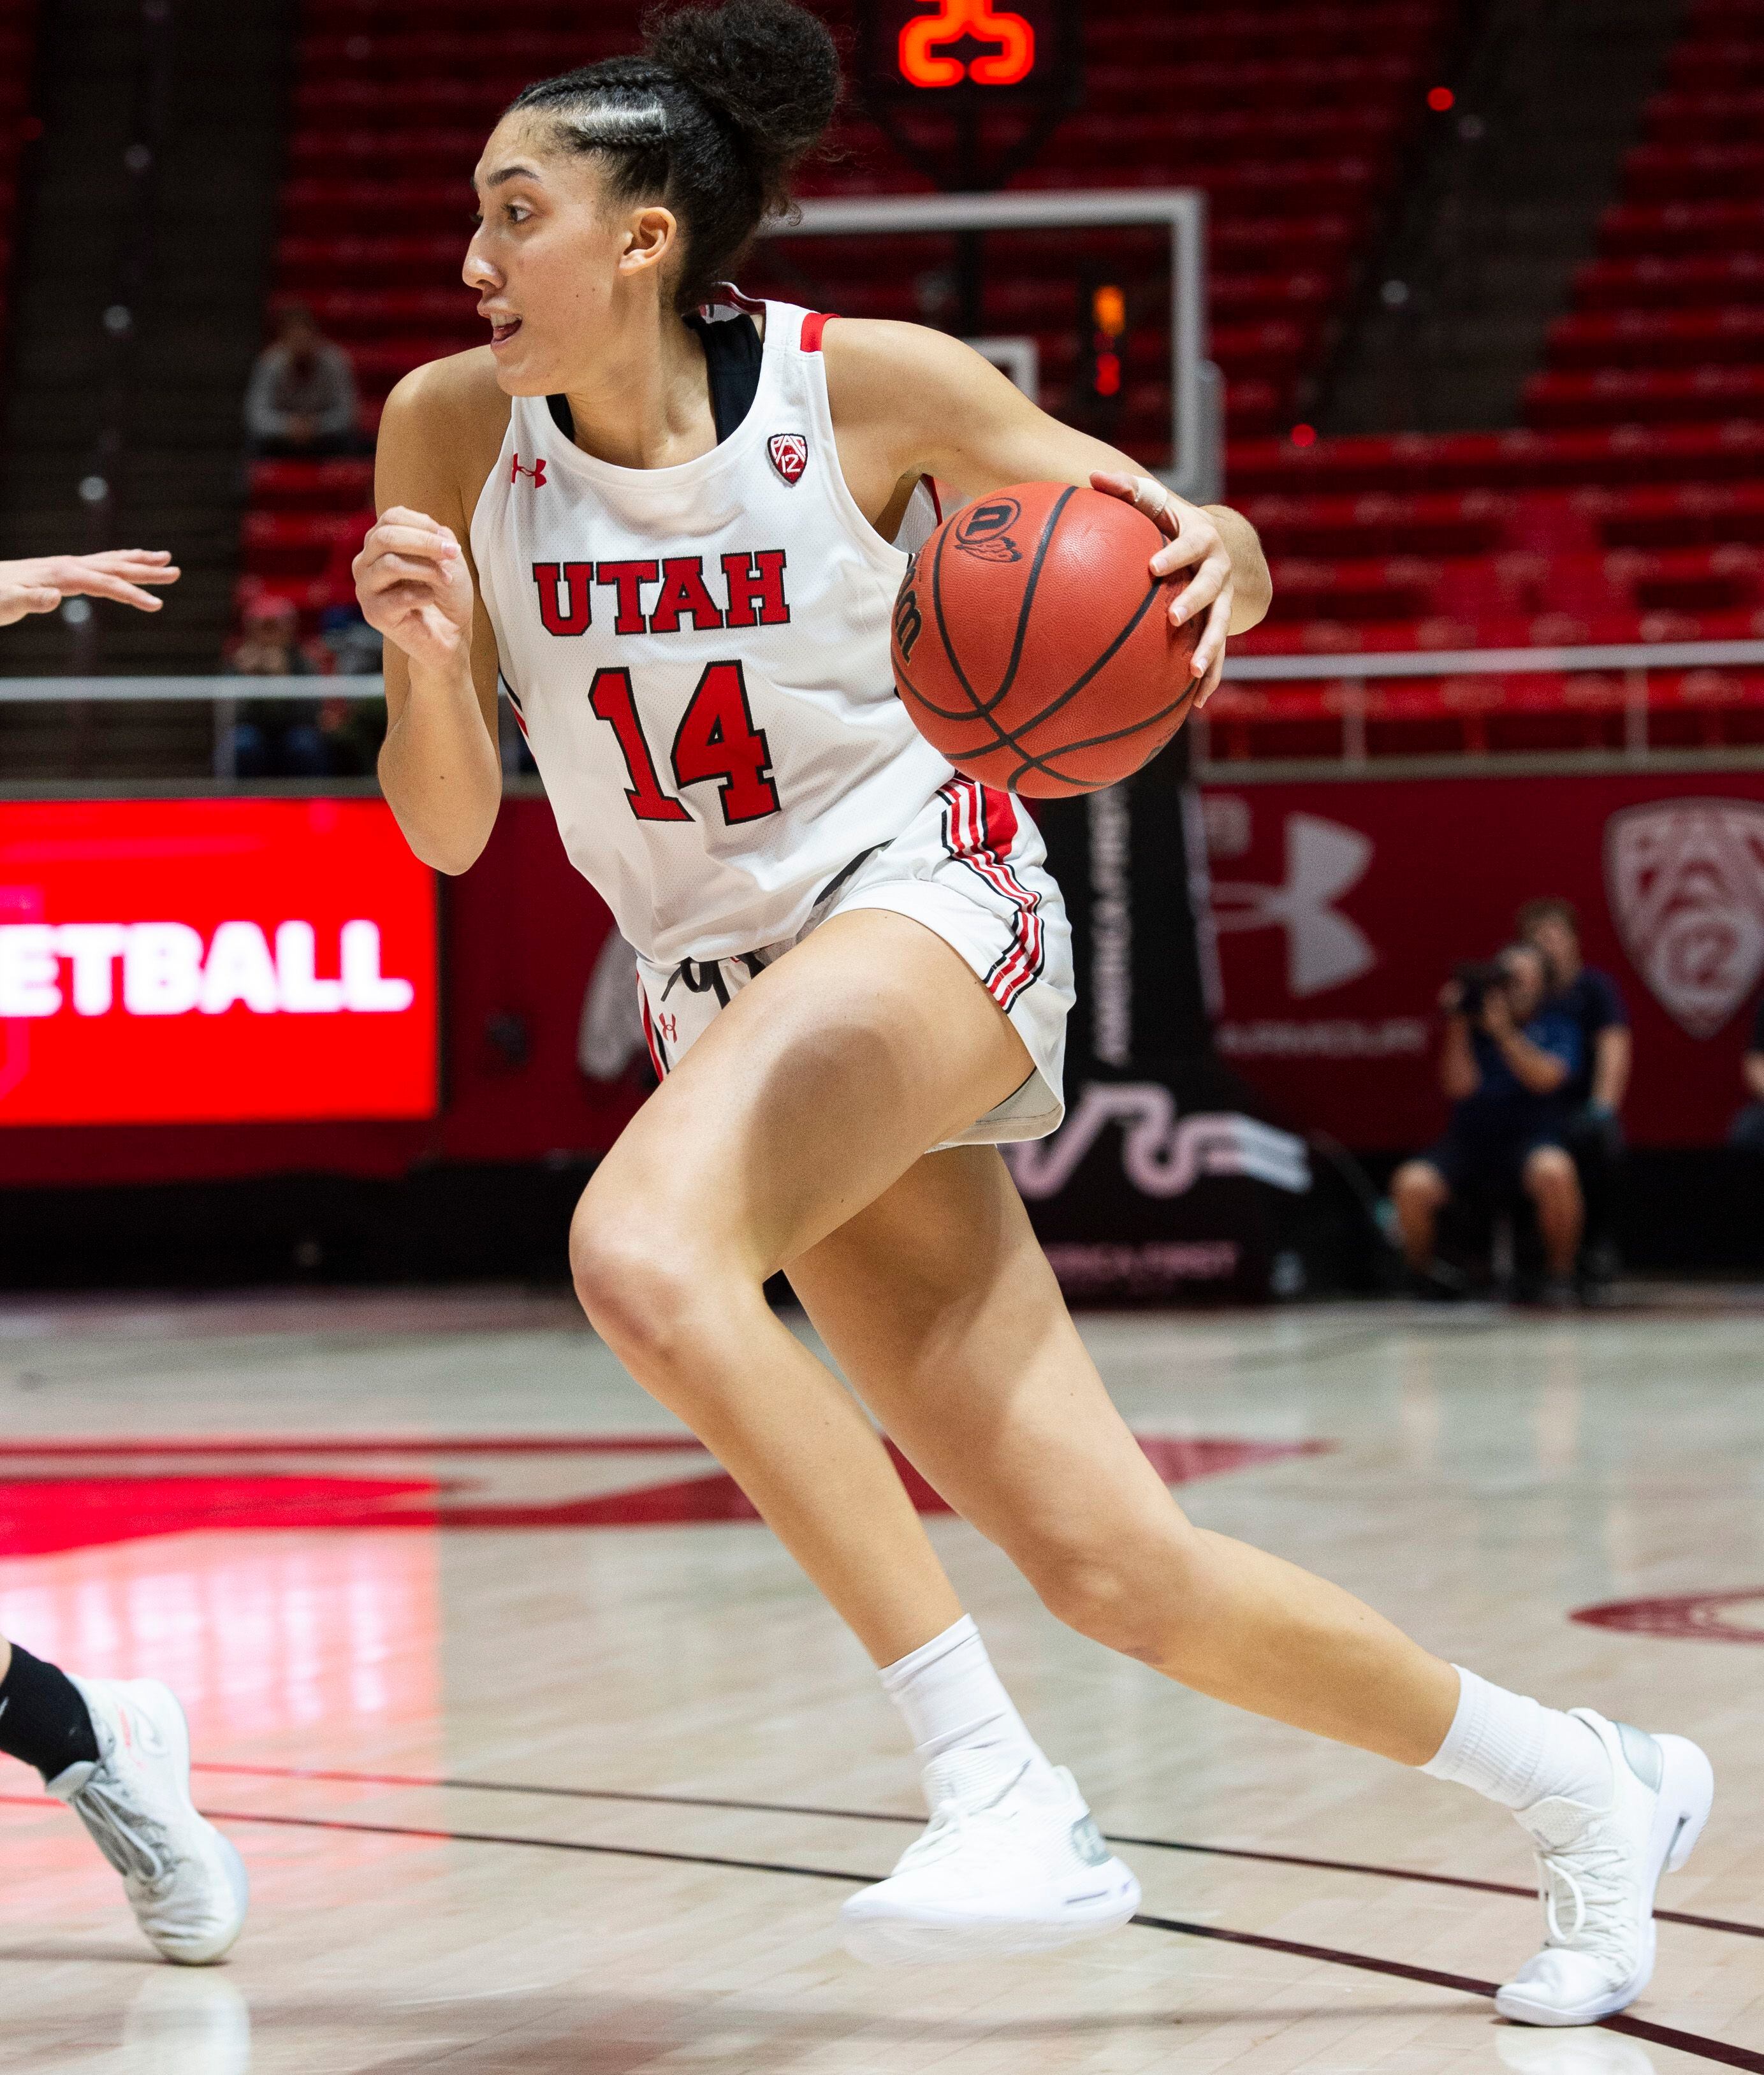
{"points": [[411, 540], [1210, 683], [1143, 492], [82, 582], [403, 515], [1194, 540], [380, 572], [1210, 650], [146, 565], [1205, 585]]}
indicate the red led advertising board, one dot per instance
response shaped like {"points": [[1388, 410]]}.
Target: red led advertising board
{"points": [[214, 961]]}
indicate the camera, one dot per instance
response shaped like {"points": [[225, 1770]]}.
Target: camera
{"points": [[1476, 983]]}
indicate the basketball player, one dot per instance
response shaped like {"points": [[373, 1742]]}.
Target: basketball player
{"points": [[673, 521], [117, 1751]]}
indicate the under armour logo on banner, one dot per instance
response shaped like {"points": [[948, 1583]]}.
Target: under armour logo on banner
{"points": [[1323, 948], [1685, 879], [536, 472]]}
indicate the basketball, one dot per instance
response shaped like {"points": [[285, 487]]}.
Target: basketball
{"points": [[1033, 648]]}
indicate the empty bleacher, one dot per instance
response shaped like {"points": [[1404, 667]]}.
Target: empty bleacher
{"points": [[1298, 154], [18, 39]]}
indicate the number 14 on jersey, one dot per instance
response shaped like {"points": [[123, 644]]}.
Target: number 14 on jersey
{"points": [[716, 739]]}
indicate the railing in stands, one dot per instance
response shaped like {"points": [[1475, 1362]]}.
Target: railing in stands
{"points": [[1621, 690]]}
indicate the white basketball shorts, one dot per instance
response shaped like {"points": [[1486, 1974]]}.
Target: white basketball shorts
{"points": [[972, 867]]}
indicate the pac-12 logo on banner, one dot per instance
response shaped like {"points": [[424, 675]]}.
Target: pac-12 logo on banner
{"points": [[1685, 879]]}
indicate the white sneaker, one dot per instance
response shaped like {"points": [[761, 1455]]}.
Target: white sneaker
{"points": [[1019, 1867], [1597, 1870], [184, 1881]]}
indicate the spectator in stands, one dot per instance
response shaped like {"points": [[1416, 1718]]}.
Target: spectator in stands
{"points": [[1509, 1053], [275, 738], [1594, 1096], [300, 403], [1746, 1133]]}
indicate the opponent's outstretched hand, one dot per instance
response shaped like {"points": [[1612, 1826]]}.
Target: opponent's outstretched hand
{"points": [[414, 586], [40, 583], [1195, 544]]}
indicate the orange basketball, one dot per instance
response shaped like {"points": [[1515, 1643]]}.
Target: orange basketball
{"points": [[1032, 646]]}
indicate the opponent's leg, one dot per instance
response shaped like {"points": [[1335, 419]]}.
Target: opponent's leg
{"points": [[119, 1754], [942, 1308]]}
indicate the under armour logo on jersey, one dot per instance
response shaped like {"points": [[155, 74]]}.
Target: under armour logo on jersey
{"points": [[789, 453], [537, 472], [668, 1026]]}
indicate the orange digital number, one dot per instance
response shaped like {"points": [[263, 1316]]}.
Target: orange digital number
{"points": [[924, 65]]}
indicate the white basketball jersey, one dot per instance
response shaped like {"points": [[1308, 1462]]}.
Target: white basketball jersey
{"points": [[699, 657]]}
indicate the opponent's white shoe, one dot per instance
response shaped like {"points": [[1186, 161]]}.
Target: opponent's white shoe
{"points": [[185, 1882], [1597, 1870], [1011, 1866]]}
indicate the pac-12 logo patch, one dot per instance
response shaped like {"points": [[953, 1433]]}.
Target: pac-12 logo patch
{"points": [[985, 530], [789, 453]]}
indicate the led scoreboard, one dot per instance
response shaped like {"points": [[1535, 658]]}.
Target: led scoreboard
{"points": [[214, 961]]}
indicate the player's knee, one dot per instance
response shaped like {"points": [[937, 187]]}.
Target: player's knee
{"points": [[1119, 1591], [641, 1286]]}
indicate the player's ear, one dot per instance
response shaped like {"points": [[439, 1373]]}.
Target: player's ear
{"points": [[649, 238]]}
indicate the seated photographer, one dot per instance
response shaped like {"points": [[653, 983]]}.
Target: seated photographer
{"points": [[1510, 1055], [1593, 1098]]}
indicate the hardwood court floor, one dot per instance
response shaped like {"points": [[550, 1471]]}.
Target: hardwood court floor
{"points": [[544, 1759]]}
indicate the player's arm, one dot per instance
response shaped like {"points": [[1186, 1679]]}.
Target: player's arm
{"points": [[440, 768], [908, 402], [1752, 1071]]}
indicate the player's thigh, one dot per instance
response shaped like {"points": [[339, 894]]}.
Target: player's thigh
{"points": [[940, 1306], [819, 1084]]}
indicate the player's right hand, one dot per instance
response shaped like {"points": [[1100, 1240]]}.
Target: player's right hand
{"points": [[414, 586]]}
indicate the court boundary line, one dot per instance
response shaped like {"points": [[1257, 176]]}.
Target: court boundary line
{"points": [[1694, 2044], [1696, 1922]]}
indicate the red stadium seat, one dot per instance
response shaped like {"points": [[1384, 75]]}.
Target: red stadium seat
{"points": [[1645, 338], [1621, 395], [1720, 281]]}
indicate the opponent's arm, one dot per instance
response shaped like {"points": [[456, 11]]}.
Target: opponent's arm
{"points": [[440, 768], [908, 402], [40, 584]]}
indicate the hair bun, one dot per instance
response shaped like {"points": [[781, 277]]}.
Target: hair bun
{"points": [[769, 66]]}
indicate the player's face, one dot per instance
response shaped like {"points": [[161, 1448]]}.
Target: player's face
{"points": [[550, 258]]}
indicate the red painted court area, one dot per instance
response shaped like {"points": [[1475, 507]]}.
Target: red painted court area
{"points": [[258, 1485]]}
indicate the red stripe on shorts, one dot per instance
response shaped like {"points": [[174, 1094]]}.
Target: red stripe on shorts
{"points": [[980, 827]]}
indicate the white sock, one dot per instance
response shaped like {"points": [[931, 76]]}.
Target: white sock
{"points": [[1517, 1752], [955, 1706]]}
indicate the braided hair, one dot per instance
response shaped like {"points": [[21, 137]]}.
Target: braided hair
{"points": [[710, 119]]}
